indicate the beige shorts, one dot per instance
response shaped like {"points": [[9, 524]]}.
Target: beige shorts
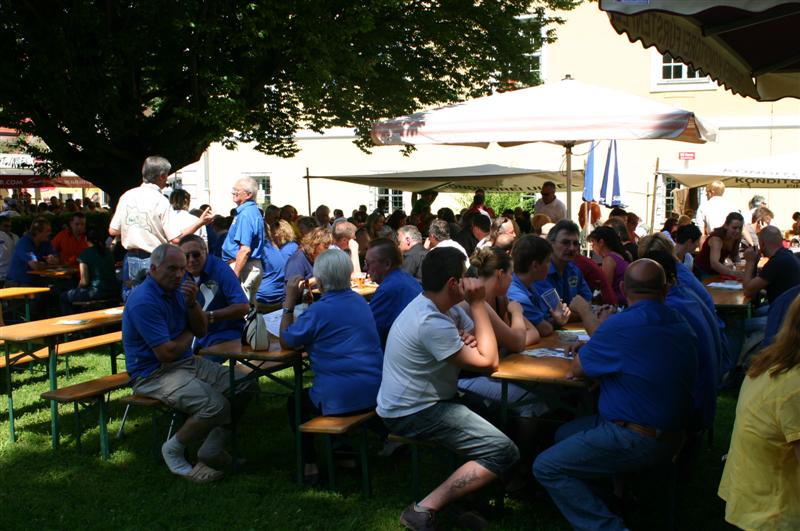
{"points": [[250, 277], [194, 386]]}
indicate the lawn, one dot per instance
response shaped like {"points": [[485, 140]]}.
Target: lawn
{"points": [[71, 489]]}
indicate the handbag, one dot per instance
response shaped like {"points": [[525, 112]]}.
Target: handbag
{"points": [[255, 331]]}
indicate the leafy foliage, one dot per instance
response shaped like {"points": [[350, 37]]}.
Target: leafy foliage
{"points": [[106, 84]]}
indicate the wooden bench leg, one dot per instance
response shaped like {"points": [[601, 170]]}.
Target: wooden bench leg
{"points": [[113, 358], [103, 422], [78, 427], [328, 440], [9, 394], [366, 486], [54, 420], [298, 441]]}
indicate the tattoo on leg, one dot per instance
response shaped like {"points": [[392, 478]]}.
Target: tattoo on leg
{"points": [[463, 481]]}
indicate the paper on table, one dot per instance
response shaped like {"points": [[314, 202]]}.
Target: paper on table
{"points": [[547, 353], [73, 321], [726, 285], [113, 311], [273, 319]]}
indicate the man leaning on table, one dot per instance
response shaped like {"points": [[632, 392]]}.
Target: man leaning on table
{"points": [[243, 246], [32, 252], [430, 342], [219, 294], [144, 218], [563, 275], [161, 319], [71, 240], [645, 401]]}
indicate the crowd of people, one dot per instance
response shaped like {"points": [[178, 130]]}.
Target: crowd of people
{"points": [[455, 294]]}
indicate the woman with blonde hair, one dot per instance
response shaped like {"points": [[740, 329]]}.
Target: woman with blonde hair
{"points": [[761, 479], [313, 244], [285, 238]]}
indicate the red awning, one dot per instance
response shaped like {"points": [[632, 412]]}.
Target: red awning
{"points": [[25, 178]]}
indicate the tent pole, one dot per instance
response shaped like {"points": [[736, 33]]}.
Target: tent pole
{"points": [[569, 180], [653, 209], [308, 191]]}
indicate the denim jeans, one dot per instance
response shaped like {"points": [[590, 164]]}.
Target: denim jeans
{"points": [[132, 267], [587, 449], [460, 430]]}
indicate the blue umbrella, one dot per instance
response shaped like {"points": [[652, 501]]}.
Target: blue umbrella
{"points": [[616, 197], [588, 175]]}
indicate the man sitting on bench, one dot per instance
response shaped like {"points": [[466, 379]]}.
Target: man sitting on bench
{"points": [[219, 294], [428, 345], [161, 319]]}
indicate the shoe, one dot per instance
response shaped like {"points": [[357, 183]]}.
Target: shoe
{"points": [[390, 447], [202, 473], [418, 521]]}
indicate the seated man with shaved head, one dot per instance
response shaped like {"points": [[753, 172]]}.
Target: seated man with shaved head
{"points": [[781, 272], [645, 360]]}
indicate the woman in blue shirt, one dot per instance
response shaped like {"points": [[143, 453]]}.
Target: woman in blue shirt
{"points": [[341, 338]]}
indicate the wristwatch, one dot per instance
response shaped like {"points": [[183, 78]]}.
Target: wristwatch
{"points": [[211, 317], [288, 311]]}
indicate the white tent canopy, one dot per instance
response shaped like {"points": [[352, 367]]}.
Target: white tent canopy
{"points": [[490, 177], [566, 113], [780, 171]]}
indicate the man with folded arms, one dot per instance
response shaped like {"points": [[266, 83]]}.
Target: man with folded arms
{"points": [[431, 341], [161, 319], [645, 359]]}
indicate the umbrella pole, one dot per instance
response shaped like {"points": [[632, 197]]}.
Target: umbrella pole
{"points": [[308, 192], [569, 180], [653, 209]]}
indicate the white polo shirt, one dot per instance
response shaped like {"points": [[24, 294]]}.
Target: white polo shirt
{"points": [[145, 218]]}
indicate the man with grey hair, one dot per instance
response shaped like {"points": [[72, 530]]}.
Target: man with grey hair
{"points": [[243, 248], [161, 319], [410, 243], [439, 236], [344, 238], [144, 218]]}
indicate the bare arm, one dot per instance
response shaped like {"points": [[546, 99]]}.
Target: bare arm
{"points": [[204, 219], [196, 318], [242, 256], [544, 328], [293, 290], [113, 232], [483, 357], [232, 312], [174, 349], [86, 277], [609, 268], [751, 283], [715, 245]]}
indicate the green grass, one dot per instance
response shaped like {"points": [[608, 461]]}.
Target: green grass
{"points": [[68, 489]]}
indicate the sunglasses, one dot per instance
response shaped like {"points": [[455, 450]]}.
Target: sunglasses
{"points": [[193, 254]]}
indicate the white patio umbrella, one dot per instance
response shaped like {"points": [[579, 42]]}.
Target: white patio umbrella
{"points": [[565, 113], [779, 171]]}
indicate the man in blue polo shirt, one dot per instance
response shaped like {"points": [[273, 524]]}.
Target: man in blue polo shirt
{"points": [[161, 319], [645, 400], [396, 287], [563, 275], [531, 256], [219, 294], [33, 251], [243, 246]]}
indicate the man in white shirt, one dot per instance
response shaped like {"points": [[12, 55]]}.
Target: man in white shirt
{"points": [[439, 236], [144, 219], [548, 204], [8, 240], [430, 342], [713, 212]]}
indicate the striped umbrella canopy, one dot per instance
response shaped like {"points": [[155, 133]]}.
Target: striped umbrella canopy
{"points": [[566, 113]]}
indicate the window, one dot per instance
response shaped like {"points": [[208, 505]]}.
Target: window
{"points": [[670, 75], [672, 70], [393, 197], [264, 195], [670, 184]]}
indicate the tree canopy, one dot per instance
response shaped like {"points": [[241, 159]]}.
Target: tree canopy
{"points": [[105, 84]]}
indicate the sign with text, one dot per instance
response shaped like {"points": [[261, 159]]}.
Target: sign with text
{"points": [[686, 155]]}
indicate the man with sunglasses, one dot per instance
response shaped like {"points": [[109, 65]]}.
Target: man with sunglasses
{"points": [[564, 276], [219, 295], [549, 205]]}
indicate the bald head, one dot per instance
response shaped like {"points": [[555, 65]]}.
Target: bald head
{"points": [[645, 280]]}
